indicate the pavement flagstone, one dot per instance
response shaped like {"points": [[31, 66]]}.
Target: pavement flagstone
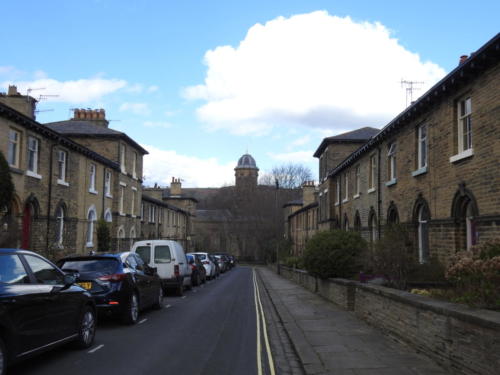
{"points": [[330, 340]]}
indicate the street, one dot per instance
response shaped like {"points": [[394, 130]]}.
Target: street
{"points": [[212, 329]]}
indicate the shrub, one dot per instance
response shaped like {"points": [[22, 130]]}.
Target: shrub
{"points": [[394, 256], [103, 235], [294, 262], [334, 254], [476, 275]]}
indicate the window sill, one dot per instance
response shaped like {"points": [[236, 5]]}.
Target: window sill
{"points": [[391, 182], [134, 188], [109, 196], [34, 175], [123, 184], [89, 244], [420, 171], [62, 182], [122, 214], [15, 169], [337, 203], [371, 190], [93, 192], [345, 200], [133, 216], [356, 196], [463, 155]]}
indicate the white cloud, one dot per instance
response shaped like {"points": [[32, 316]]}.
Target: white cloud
{"points": [[312, 69], [157, 124], [153, 88], [76, 91], [301, 141], [294, 157], [161, 165], [136, 88], [136, 108]]}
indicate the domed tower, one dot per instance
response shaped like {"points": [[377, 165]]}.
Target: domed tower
{"points": [[246, 172]]}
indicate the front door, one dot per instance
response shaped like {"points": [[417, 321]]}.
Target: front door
{"points": [[27, 220]]}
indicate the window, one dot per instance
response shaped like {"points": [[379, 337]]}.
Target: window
{"points": [[13, 153], [142, 211], [391, 162], [62, 157], [464, 125], [134, 165], [372, 223], [346, 187], [372, 174], [91, 217], [132, 202], [12, 270], [357, 183], [152, 214], [59, 225], [160, 215], [122, 158], [45, 273], [145, 253], [162, 254], [337, 191], [423, 233], [108, 217], [422, 146], [92, 172], [107, 183], [122, 198], [33, 155]]}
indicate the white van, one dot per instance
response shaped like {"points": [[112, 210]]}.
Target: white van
{"points": [[169, 259]]}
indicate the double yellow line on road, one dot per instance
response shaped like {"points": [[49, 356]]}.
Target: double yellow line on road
{"points": [[259, 311]]}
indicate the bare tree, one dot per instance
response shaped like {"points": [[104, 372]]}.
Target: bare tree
{"points": [[289, 176]]}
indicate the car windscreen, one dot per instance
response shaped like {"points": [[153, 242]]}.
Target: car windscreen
{"points": [[201, 256], [144, 252], [162, 254], [99, 266]]}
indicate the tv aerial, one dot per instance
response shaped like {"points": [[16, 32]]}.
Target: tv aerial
{"points": [[410, 86]]}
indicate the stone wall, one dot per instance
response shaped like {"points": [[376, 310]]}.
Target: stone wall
{"points": [[462, 339]]}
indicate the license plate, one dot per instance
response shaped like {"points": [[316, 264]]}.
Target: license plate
{"points": [[86, 285]]}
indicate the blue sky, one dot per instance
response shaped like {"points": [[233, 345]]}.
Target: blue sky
{"points": [[198, 83]]}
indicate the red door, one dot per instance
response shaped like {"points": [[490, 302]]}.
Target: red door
{"points": [[27, 217]]}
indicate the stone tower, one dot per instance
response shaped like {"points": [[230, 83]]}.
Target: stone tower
{"points": [[246, 173]]}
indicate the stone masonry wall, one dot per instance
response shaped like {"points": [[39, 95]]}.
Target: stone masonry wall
{"points": [[463, 340]]}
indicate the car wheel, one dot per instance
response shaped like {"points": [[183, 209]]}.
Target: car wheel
{"points": [[86, 329], [179, 291], [131, 315], [3, 358], [158, 304]]}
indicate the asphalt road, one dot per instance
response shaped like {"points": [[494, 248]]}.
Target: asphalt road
{"points": [[211, 330]]}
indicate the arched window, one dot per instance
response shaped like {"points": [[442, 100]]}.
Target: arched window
{"points": [[91, 218], [60, 215], [107, 216], [357, 222], [421, 217], [120, 235], [346, 223], [373, 226], [464, 211], [392, 214], [132, 236], [30, 213]]}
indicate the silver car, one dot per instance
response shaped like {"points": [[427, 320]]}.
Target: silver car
{"points": [[208, 264]]}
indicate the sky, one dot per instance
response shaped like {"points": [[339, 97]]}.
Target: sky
{"points": [[200, 83]]}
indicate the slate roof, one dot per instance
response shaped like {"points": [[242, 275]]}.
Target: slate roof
{"points": [[82, 128], [297, 202], [147, 198], [361, 135], [21, 119]]}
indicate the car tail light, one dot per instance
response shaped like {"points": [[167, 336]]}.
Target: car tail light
{"points": [[193, 267], [114, 277], [176, 270], [113, 303]]}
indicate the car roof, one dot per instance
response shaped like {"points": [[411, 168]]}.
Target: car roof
{"points": [[17, 251], [120, 256]]}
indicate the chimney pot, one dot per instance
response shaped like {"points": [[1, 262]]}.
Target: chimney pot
{"points": [[463, 59], [12, 90]]}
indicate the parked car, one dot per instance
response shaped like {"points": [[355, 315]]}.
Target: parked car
{"points": [[223, 262], [208, 264], [121, 284], [40, 307], [199, 275], [215, 261], [169, 259]]}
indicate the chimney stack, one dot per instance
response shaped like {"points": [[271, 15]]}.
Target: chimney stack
{"points": [[97, 116], [24, 104], [463, 59], [308, 193], [175, 187]]}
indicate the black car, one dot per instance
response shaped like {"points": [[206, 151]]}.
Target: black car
{"points": [[199, 274], [120, 283], [40, 307]]}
